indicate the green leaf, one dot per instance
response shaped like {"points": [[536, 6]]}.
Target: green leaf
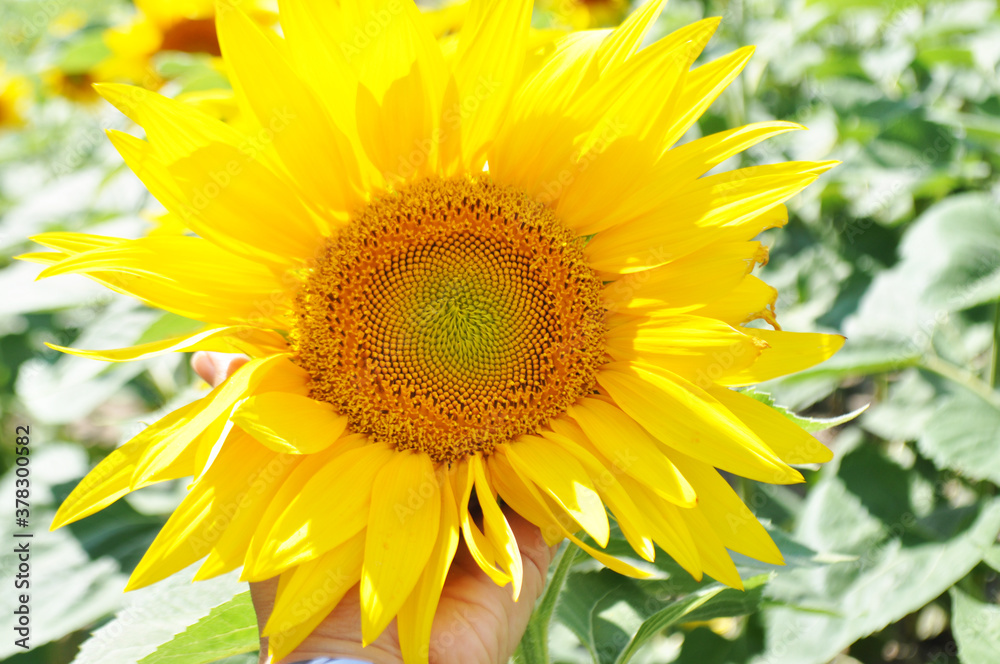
{"points": [[976, 626], [72, 586], [716, 601], [883, 486], [866, 357], [992, 557], [894, 574], [168, 325], [703, 646], [948, 255], [72, 387], [809, 424], [946, 55], [228, 629], [903, 415], [858, 357], [86, 51], [158, 615], [980, 127], [615, 616], [601, 608], [962, 434], [23, 295]]}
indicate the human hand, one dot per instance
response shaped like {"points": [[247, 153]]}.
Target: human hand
{"points": [[476, 621]]}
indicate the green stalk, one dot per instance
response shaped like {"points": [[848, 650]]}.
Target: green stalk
{"points": [[995, 366], [534, 646], [961, 376]]}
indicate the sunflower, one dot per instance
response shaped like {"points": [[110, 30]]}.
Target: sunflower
{"points": [[186, 26], [464, 281], [583, 14], [15, 94], [76, 86]]}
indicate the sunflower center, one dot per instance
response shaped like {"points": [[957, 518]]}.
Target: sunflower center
{"points": [[451, 317], [192, 35]]}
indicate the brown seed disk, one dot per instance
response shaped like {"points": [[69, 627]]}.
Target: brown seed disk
{"points": [[451, 317]]}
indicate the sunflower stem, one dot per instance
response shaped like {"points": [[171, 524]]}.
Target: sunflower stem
{"points": [[963, 377], [995, 365], [534, 646]]}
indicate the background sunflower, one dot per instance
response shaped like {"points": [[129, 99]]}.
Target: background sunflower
{"points": [[895, 250]]}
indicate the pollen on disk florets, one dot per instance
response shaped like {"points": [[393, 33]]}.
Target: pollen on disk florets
{"points": [[451, 317]]}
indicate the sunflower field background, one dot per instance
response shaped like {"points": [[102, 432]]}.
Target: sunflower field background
{"points": [[891, 549]]}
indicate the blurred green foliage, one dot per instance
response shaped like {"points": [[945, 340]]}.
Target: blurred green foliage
{"points": [[891, 548]]}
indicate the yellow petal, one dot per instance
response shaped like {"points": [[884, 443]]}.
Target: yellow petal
{"points": [[253, 341], [112, 477], [402, 530], [563, 478], [699, 349], [416, 616], [632, 449], [498, 531], [787, 352], [666, 525], [632, 524], [180, 431], [220, 179], [403, 86], [280, 376], [479, 546], [688, 419], [334, 573], [259, 490], [626, 39], [290, 423], [534, 144], [327, 509], [230, 164], [316, 41], [717, 208], [685, 163], [515, 493], [204, 514], [74, 243], [750, 300], [737, 527], [234, 291], [318, 156], [715, 559], [500, 460], [621, 120], [610, 489], [486, 80], [221, 219], [174, 129], [789, 441], [446, 20], [290, 487], [42, 257], [640, 93], [686, 284], [701, 87], [317, 586], [653, 188], [565, 74]]}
